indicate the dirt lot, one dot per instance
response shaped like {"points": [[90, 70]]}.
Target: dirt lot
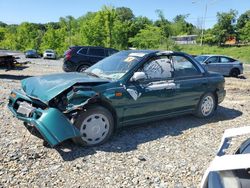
{"points": [[169, 153]]}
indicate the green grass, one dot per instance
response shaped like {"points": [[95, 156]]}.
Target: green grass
{"points": [[242, 53]]}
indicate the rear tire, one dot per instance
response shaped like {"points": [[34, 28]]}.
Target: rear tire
{"points": [[234, 73], [96, 126], [206, 106]]}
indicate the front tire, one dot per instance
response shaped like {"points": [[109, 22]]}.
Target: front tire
{"points": [[96, 126], [206, 106]]}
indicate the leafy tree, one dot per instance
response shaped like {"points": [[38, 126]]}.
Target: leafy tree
{"points": [[225, 27], [181, 26], [164, 24], [245, 32], [243, 19], [124, 14], [150, 37], [109, 15], [2, 24]]}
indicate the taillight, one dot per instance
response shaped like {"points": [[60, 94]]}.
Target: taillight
{"points": [[68, 54]]}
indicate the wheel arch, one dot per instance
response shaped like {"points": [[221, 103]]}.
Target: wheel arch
{"points": [[234, 69]]}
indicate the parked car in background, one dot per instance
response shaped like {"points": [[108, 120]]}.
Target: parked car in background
{"points": [[129, 87], [32, 54], [49, 54], [230, 168], [227, 66], [79, 58]]}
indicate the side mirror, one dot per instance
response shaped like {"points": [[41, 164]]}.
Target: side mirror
{"points": [[138, 76], [208, 62]]}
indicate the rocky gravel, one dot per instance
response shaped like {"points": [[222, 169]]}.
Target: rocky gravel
{"points": [[168, 153]]}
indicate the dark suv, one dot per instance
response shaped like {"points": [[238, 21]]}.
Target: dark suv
{"points": [[79, 58]]}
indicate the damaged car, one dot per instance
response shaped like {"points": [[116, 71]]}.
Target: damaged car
{"points": [[129, 87]]}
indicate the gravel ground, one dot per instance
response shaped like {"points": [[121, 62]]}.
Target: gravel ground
{"points": [[169, 153]]}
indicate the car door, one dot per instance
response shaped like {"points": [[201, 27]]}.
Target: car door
{"points": [[225, 65], [213, 64], [190, 82], [96, 54], [151, 97]]}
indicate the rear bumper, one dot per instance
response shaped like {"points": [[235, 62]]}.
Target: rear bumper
{"points": [[51, 123]]}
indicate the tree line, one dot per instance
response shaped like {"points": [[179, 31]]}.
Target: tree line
{"points": [[120, 29]]}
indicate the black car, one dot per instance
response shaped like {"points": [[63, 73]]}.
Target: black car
{"points": [[79, 58], [31, 54]]}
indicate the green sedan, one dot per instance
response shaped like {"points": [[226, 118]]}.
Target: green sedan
{"points": [[129, 87]]}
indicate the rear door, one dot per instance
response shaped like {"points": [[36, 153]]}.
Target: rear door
{"points": [[190, 83], [226, 65]]}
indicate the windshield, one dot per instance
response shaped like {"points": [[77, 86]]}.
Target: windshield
{"points": [[49, 51], [115, 66], [201, 58]]}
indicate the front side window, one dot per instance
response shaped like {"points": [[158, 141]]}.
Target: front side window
{"points": [[183, 67], [158, 69], [213, 60], [96, 52]]}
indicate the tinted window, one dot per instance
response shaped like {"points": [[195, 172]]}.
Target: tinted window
{"points": [[158, 69], [183, 67], [213, 60], [83, 51], [96, 52], [225, 60]]}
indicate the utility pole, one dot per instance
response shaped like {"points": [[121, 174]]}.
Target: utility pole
{"points": [[203, 25]]}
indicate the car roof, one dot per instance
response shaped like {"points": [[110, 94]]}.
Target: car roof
{"points": [[91, 47], [210, 55]]}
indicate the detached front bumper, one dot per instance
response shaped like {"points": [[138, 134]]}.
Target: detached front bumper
{"points": [[50, 122]]}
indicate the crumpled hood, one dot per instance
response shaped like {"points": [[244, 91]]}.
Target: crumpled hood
{"points": [[47, 87]]}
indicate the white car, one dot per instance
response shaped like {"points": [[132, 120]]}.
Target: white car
{"points": [[49, 54], [230, 169]]}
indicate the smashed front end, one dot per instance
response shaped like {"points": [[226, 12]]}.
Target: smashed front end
{"points": [[53, 119], [52, 124]]}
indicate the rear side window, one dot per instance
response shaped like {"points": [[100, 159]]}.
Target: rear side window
{"points": [[226, 60], [183, 67], [83, 51], [96, 52]]}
